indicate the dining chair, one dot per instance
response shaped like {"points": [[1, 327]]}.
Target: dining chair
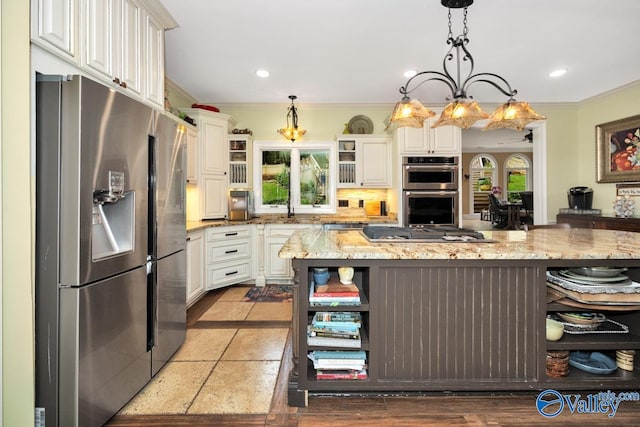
{"points": [[499, 214], [527, 205]]}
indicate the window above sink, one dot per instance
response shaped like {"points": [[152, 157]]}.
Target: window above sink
{"points": [[299, 176]]}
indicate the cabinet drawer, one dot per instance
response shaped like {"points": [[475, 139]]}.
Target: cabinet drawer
{"points": [[222, 234], [228, 274], [217, 253]]}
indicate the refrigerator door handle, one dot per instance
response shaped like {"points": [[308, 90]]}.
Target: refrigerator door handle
{"points": [[152, 304]]}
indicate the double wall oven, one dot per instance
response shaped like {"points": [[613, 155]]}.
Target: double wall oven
{"points": [[430, 191]]}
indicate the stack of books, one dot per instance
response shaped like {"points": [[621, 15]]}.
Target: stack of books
{"points": [[339, 365], [333, 293], [335, 329]]}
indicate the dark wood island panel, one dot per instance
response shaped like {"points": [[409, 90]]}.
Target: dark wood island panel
{"points": [[456, 325]]}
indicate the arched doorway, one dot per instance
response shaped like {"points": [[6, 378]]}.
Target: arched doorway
{"points": [[482, 176]]}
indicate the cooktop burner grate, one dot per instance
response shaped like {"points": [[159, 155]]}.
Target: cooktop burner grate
{"points": [[425, 234]]}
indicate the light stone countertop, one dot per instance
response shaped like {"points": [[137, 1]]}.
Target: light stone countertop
{"points": [[573, 243], [343, 216]]}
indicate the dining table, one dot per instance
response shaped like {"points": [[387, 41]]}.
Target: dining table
{"points": [[514, 219]]}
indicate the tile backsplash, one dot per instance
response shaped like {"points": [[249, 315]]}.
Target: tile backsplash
{"points": [[355, 195]]}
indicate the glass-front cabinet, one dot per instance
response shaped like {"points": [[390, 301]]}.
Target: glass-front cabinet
{"points": [[363, 161], [294, 179], [239, 160]]}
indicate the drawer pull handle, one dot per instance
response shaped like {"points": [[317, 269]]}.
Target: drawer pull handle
{"points": [[231, 273], [231, 252], [231, 234]]}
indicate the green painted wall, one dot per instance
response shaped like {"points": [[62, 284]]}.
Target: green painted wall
{"points": [[17, 237], [616, 105], [570, 135]]}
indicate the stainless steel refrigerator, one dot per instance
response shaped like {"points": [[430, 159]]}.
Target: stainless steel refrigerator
{"points": [[167, 239], [100, 294]]}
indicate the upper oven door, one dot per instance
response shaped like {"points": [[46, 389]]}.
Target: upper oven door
{"points": [[429, 177]]}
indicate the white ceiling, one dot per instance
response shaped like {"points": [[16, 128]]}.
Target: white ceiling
{"points": [[355, 51]]}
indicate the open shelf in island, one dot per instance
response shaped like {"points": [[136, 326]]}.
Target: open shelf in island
{"points": [[455, 326]]}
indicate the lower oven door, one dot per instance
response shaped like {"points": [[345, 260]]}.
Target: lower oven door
{"points": [[430, 208]]}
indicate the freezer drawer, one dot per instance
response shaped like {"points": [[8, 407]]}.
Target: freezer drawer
{"points": [[103, 358]]}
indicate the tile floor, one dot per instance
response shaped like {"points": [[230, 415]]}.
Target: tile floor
{"points": [[221, 370]]}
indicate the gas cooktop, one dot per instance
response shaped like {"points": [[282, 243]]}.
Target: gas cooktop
{"points": [[439, 234]]}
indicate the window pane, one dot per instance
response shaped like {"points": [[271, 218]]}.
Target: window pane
{"points": [[314, 177], [275, 177]]}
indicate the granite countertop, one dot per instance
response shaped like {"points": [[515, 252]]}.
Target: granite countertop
{"points": [[573, 243], [343, 216]]}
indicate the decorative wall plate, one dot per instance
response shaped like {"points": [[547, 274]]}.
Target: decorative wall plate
{"points": [[360, 125]]}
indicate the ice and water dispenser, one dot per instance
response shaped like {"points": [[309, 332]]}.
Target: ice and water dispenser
{"points": [[113, 219]]}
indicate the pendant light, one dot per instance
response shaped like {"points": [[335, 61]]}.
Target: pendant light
{"points": [[462, 111], [292, 131]]}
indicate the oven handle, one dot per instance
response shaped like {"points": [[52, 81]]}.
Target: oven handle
{"points": [[431, 192], [431, 167]]}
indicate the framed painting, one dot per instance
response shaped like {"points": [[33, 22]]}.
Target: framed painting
{"points": [[618, 150]]}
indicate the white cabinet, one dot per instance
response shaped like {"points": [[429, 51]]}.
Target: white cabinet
{"points": [[229, 255], [240, 160], [113, 42], [212, 191], [154, 60], [120, 42], [195, 266], [211, 155], [192, 155], [364, 162], [54, 26], [445, 140], [278, 269]]}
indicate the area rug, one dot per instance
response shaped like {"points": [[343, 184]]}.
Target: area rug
{"points": [[269, 293]]}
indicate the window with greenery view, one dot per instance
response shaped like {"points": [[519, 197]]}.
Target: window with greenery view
{"points": [[300, 176], [516, 169]]}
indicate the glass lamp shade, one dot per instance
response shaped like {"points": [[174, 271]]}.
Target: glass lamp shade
{"points": [[513, 115], [291, 133], [460, 113], [409, 112]]}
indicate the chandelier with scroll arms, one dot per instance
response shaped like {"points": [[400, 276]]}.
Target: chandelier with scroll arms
{"points": [[462, 111]]}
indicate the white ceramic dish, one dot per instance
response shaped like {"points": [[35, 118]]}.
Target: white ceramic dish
{"points": [[617, 280], [598, 271]]}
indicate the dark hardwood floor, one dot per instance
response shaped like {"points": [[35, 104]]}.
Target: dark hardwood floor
{"points": [[382, 410]]}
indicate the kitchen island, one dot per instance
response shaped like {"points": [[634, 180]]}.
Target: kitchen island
{"points": [[456, 316]]}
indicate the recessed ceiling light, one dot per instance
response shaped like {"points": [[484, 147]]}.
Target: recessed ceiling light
{"points": [[557, 73], [262, 73], [410, 73]]}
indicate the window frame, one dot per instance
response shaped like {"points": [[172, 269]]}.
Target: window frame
{"points": [[527, 175], [295, 149]]}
